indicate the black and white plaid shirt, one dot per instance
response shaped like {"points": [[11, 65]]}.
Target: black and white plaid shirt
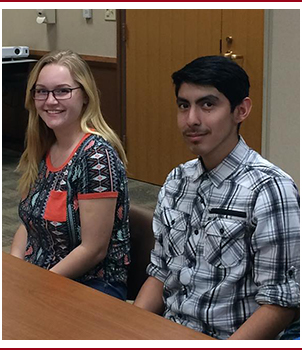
{"points": [[227, 241]]}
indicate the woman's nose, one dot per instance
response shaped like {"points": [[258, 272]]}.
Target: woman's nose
{"points": [[51, 98]]}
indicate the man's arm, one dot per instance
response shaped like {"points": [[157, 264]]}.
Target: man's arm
{"points": [[276, 243], [150, 296], [265, 323]]}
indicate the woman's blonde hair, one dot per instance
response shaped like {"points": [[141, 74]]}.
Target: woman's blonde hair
{"points": [[39, 137]]}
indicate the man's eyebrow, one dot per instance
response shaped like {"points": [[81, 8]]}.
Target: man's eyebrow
{"points": [[209, 97], [181, 99]]}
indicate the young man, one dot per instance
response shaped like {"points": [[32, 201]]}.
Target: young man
{"points": [[226, 255]]}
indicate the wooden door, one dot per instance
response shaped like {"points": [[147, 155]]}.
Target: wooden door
{"points": [[158, 43], [246, 28]]}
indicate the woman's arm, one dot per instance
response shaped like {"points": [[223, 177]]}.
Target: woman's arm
{"points": [[97, 219], [19, 242]]}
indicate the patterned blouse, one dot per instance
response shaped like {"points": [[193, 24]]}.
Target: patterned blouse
{"points": [[51, 214]]}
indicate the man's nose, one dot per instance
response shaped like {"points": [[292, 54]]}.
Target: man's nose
{"points": [[193, 116]]}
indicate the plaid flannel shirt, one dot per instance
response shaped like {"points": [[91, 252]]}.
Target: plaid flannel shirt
{"points": [[226, 241]]}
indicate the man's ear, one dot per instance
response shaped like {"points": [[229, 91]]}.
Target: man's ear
{"points": [[243, 110]]}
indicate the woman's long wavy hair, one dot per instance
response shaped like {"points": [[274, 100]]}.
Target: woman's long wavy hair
{"points": [[39, 137]]}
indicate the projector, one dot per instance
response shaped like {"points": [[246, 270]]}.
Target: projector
{"points": [[14, 52]]}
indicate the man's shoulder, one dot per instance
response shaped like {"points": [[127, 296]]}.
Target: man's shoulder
{"points": [[259, 163], [262, 170], [184, 170]]}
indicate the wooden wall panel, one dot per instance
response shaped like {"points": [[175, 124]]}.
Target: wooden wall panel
{"points": [[106, 78], [160, 42], [246, 28]]}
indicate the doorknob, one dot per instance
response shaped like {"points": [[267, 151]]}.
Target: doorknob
{"points": [[231, 55]]}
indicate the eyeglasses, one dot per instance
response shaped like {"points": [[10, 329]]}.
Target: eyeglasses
{"points": [[59, 94]]}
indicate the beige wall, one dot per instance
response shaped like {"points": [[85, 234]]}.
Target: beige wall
{"points": [[71, 31], [281, 131]]}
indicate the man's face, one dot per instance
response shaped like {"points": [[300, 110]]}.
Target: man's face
{"points": [[206, 122]]}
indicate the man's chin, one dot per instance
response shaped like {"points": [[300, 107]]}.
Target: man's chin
{"points": [[196, 150]]}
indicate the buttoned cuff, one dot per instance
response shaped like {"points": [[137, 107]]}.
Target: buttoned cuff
{"points": [[285, 295], [154, 271]]}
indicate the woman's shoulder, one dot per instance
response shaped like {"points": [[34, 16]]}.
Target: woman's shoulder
{"points": [[96, 146], [96, 155], [95, 142]]}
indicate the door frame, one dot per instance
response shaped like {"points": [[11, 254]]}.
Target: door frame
{"points": [[121, 70]]}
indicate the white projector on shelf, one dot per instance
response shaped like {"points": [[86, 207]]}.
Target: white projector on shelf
{"points": [[11, 52]]}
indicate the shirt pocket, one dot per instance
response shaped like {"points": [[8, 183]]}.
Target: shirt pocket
{"points": [[56, 206], [176, 227], [224, 244]]}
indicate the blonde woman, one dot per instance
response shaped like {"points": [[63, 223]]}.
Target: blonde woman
{"points": [[74, 207]]}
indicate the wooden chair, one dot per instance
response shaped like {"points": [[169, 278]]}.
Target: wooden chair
{"points": [[142, 241]]}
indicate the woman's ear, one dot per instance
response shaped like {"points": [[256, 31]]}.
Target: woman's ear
{"points": [[86, 99], [243, 110]]}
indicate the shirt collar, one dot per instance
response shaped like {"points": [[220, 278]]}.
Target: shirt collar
{"points": [[227, 167]]}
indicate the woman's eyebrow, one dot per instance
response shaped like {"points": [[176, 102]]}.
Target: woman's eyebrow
{"points": [[56, 86]]}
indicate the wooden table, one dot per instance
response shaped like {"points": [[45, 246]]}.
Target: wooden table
{"points": [[38, 304]]}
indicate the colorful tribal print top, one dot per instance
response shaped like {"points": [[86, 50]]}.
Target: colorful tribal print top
{"points": [[51, 215]]}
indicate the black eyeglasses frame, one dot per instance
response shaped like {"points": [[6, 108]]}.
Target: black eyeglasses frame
{"points": [[52, 91]]}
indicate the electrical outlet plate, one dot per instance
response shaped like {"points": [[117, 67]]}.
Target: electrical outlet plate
{"points": [[110, 15]]}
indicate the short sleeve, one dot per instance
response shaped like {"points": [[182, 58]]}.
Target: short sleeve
{"points": [[97, 172]]}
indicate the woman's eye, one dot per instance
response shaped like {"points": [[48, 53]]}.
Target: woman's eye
{"points": [[62, 91]]}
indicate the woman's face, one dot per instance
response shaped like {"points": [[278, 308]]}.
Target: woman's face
{"points": [[59, 113]]}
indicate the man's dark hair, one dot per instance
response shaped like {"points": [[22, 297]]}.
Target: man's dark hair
{"points": [[217, 71]]}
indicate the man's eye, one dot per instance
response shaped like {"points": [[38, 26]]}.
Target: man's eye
{"points": [[208, 105], [183, 105]]}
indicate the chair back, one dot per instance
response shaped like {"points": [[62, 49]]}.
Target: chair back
{"points": [[142, 242]]}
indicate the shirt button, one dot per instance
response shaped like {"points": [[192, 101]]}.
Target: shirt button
{"points": [[196, 232], [185, 276], [173, 222], [221, 230]]}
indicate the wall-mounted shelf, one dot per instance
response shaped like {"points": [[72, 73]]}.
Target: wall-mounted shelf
{"points": [[18, 61]]}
